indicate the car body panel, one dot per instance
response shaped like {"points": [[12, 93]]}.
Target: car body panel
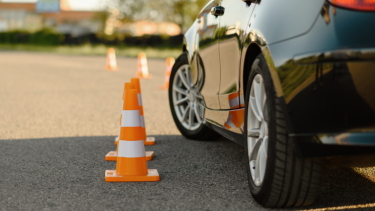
{"points": [[209, 60], [233, 25], [323, 71]]}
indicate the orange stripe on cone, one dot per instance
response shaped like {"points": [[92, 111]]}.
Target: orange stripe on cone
{"points": [[131, 161], [137, 84], [134, 166]]}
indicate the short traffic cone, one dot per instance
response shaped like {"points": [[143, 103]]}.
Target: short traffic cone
{"points": [[131, 163], [142, 69], [170, 62], [111, 60], [112, 155], [148, 140]]}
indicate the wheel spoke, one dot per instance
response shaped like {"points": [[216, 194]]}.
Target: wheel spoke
{"points": [[180, 90], [255, 109], [183, 79], [254, 153], [181, 101], [265, 146], [253, 133], [258, 169], [184, 115], [259, 96], [188, 76], [191, 117], [262, 157], [197, 114], [199, 96]]}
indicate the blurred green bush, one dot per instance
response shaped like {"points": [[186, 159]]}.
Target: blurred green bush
{"points": [[47, 37]]}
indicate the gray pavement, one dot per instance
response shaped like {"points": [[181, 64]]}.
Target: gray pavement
{"points": [[59, 116]]}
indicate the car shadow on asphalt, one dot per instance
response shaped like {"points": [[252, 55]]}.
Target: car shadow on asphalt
{"points": [[346, 189]]}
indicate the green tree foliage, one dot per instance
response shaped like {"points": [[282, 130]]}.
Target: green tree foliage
{"points": [[181, 12]]}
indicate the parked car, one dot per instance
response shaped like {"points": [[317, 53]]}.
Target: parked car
{"points": [[292, 81]]}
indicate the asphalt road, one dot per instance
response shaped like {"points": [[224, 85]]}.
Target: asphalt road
{"points": [[59, 116]]}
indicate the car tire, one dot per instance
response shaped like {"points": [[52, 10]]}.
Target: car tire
{"points": [[200, 131], [283, 179]]}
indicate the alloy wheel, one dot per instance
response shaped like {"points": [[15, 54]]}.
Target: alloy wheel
{"points": [[257, 130], [187, 101]]}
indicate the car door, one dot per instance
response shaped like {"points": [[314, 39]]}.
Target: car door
{"points": [[207, 56], [233, 22]]}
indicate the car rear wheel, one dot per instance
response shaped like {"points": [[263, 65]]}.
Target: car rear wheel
{"points": [[276, 176], [186, 103]]}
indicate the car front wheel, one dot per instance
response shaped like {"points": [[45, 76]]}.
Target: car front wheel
{"points": [[186, 103]]}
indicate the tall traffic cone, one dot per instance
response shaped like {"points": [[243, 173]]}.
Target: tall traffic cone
{"points": [[131, 163], [170, 62], [122, 105], [112, 155], [111, 60], [142, 68], [148, 140]]}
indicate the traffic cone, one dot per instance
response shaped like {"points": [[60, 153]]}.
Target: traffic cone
{"points": [[122, 105], [170, 62], [142, 69], [111, 60], [112, 155], [131, 163], [137, 84]]}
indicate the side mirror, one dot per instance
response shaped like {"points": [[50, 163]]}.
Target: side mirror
{"points": [[217, 11], [252, 1]]}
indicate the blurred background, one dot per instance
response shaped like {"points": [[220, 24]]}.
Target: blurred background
{"points": [[90, 26]]}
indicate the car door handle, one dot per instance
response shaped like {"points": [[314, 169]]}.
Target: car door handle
{"points": [[217, 11]]}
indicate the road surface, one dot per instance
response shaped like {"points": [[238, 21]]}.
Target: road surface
{"points": [[59, 116]]}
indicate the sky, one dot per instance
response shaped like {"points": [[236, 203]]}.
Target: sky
{"points": [[75, 4]]}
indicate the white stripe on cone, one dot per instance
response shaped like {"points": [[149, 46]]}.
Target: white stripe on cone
{"points": [[131, 149], [130, 118], [142, 121]]}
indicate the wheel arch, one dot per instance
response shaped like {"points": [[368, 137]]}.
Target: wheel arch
{"points": [[251, 53]]}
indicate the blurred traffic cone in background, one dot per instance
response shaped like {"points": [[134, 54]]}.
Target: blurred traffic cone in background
{"points": [[148, 140], [142, 69], [131, 163], [111, 60], [170, 63], [112, 155]]}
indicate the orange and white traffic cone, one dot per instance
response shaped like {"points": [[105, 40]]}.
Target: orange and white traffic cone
{"points": [[111, 60], [131, 163], [148, 140], [170, 62], [112, 155], [142, 68], [122, 105]]}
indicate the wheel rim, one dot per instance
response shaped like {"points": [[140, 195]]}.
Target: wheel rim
{"points": [[186, 99], [257, 130]]}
